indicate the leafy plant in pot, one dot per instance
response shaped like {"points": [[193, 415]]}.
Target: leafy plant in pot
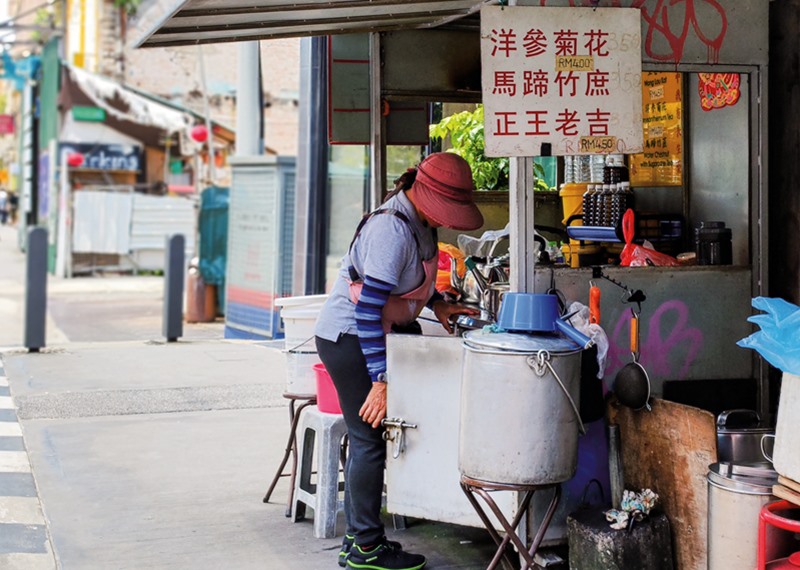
{"points": [[466, 133]]}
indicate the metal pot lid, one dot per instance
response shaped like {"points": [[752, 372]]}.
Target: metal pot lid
{"points": [[746, 478], [744, 431], [519, 343]]}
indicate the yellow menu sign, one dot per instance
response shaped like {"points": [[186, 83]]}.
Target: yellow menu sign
{"points": [[661, 163]]}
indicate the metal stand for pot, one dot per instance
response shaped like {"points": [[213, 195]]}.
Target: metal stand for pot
{"points": [[474, 487]]}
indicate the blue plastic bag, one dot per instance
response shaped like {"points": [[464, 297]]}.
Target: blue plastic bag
{"points": [[778, 341]]}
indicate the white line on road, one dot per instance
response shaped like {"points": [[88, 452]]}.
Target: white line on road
{"points": [[10, 429], [20, 510], [20, 561], [14, 462], [3, 381], [6, 403]]}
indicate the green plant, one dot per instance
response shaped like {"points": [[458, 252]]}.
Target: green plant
{"points": [[128, 6], [465, 130]]}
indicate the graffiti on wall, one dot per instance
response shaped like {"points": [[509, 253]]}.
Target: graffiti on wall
{"points": [[669, 348], [669, 23]]}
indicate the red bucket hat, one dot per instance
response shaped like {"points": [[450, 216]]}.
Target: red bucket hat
{"points": [[443, 190]]}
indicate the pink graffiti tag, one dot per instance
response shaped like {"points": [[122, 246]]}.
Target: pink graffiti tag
{"points": [[657, 354], [661, 15]]}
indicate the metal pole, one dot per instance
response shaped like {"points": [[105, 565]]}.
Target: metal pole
{"points": [[248, 109], [174, 264], [207, 113], [615, 466], [62, 251], [36, 289], [521, 223], [376, 164]]}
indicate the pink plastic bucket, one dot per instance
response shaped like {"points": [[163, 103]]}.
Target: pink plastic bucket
{"points": [[327, 398]]}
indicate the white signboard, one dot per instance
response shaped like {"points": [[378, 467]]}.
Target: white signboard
{"points": [[567, 77]]}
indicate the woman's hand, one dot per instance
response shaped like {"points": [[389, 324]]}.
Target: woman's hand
{"points": [[444, 311], [374, 408]]}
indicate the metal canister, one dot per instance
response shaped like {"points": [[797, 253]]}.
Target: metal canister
{"points": [[519, 417], [736, 493], [713, 244]]}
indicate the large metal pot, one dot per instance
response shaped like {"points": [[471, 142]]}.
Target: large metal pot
{"points": [[519, 418], [739, 434], [736, 493]]}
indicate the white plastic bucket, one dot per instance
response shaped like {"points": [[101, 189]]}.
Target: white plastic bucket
{"points": [[300, 376], [299, 316]]}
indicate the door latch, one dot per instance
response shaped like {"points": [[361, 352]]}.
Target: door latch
{"points": [[395, 428]]}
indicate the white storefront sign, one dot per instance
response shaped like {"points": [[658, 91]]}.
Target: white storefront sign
{"points": [[567, 77]]}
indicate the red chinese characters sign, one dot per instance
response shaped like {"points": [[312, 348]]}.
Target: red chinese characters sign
{"points": [[567, 77]]}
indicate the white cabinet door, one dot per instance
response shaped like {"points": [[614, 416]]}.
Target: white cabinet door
{"points": [[424, 388]]}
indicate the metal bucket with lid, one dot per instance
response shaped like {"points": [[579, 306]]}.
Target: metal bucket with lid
{"points": [[736, 493], [519, 418]]}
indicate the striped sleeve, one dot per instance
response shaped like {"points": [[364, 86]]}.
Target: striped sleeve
{"points": [[374, 295]]}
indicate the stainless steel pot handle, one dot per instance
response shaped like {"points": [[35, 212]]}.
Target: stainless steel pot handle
{"points": [[766, 455], [537, 362], [722, 420]]}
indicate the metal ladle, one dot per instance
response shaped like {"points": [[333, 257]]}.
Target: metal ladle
{"points": [[632, 384]]}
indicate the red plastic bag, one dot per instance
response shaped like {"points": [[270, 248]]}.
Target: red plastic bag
{"points": [[636, 255]]}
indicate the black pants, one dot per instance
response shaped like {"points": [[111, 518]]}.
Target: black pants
{"points": [[363, 475]]}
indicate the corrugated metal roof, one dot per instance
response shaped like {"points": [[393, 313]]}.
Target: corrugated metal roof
{"points": [[189, 22]]}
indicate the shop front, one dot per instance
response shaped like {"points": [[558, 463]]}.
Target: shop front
{"points": [[675, 98]]}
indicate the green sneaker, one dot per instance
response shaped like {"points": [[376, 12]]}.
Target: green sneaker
{"points": [[347, 545], [384, 556]]}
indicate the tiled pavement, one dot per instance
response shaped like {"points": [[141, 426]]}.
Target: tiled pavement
{"points": [[24, 543]]}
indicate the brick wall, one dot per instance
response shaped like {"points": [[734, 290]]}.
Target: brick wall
{"points": [[174, 74]]}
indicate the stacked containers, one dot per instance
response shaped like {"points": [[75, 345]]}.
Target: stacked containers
{"points": [[299, 316]]}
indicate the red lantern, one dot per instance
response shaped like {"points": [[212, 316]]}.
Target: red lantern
{"points": [[74, 159], [199, 133]]}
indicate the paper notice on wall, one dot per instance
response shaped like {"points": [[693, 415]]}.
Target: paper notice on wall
{"points": [[661, 162], [567, 77]]}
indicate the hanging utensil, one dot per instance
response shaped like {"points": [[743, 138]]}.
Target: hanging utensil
{"points": [[632, 384], [594, 303]]}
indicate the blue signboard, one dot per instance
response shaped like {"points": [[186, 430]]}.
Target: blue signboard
{"points": [[105, 156]]}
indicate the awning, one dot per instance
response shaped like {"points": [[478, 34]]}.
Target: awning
{"points": [[189, 22], [137, 114]]}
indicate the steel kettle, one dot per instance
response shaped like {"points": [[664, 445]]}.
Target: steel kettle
{"points": [[475, 282]]}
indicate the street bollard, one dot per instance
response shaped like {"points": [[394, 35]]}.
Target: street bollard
{"points": [[36, 289], [174, 253]]}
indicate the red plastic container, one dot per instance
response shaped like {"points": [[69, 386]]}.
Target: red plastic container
{"points": [[327, 398], [769, 518], [791, 563]]}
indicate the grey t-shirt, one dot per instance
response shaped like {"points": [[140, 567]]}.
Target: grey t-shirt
{"points": [[386, 250]]}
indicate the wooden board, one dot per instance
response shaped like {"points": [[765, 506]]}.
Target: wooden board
{"points": [[669, 450], [786, 493], [786, 482]]}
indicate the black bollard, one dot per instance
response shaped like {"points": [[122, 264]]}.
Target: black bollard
{"points": [[174, 257], [36, 289]]}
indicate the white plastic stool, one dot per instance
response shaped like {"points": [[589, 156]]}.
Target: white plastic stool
{"points": [[321, 435]]}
